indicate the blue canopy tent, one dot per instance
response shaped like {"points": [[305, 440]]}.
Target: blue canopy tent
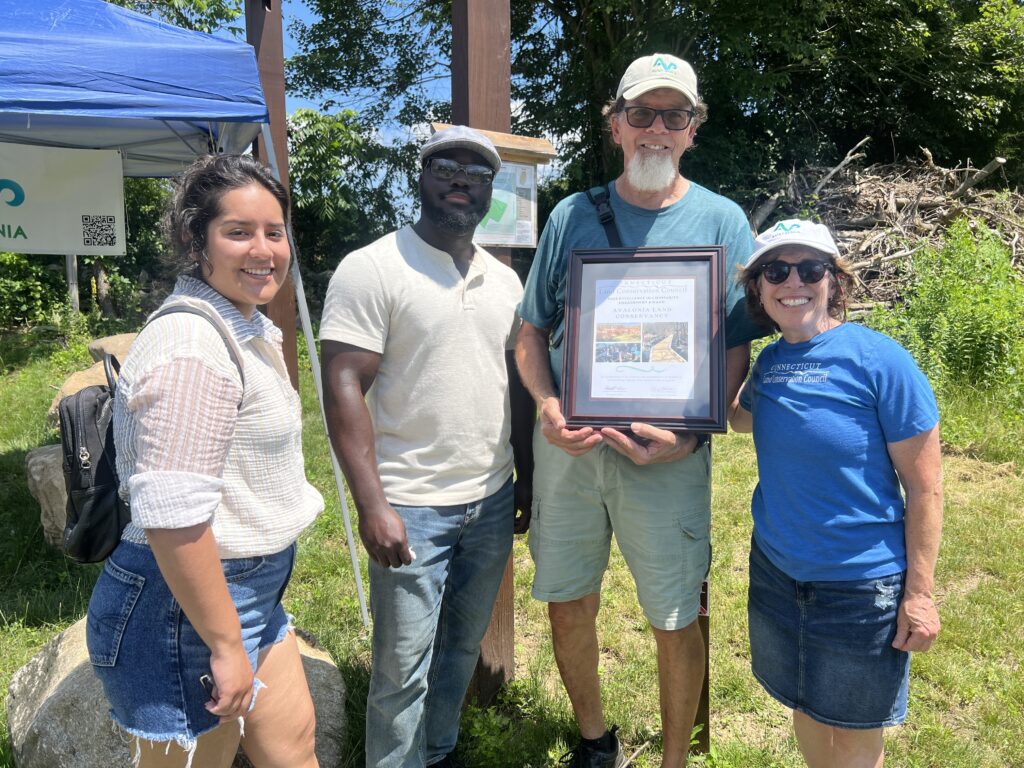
{"points": [[86, 74]]}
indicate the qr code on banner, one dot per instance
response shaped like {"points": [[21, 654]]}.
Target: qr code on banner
{"points": [[99, 230]]}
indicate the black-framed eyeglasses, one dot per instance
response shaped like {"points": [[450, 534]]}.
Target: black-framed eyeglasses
{"points": [[445, 169], [673, 119], [809, 270]]}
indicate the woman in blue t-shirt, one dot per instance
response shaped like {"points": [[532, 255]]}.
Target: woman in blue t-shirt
{"points": [[841, 567]]}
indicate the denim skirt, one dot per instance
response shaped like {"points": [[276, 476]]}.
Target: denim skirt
{"points": [[825, 647], [148, 656]]}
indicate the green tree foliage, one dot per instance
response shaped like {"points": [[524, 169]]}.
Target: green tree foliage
{"points": [[788, 82], [200, 15], [342, 186]]}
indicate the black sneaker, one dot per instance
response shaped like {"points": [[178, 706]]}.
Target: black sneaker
{"points": [[449, 761], [585, 756]]}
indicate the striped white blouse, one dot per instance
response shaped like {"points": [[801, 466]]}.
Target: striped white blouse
{"points": [[192, 447]]}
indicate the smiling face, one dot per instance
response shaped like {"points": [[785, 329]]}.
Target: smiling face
{"points": [[247, 248], [799, 309], [654, 147], [455, 205]]}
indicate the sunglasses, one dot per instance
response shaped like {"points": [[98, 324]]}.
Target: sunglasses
{"points": [[673, 119], [445, 169], [809, 270]]}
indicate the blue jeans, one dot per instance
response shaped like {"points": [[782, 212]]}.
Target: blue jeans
{"points": [[428, 620]]}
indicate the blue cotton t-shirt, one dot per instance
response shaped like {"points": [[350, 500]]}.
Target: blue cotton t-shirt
{"points": [[700, 218], [828, 504]]}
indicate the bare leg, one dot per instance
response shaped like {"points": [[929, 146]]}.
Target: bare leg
{"points": [[680, 678], [280, 730], [826, 746], [215, 749], [574, 636]]}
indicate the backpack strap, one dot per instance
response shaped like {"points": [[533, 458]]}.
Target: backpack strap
{"points": [[174, 308], [598, 196]]}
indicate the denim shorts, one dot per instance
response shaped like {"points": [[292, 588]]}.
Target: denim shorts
{"points": [[825, 647], [148, 656], [660, 515]]}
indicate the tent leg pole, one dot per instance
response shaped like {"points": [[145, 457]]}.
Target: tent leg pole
{"points": [[314, 363], [71, 268]]}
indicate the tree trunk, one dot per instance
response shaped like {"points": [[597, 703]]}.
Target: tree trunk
{"points": [[103, 291]]}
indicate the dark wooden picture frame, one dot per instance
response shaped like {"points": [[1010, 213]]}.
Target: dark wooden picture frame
{"points": [[605, 362]]}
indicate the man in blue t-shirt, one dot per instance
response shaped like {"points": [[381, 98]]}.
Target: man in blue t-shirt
{"points": [[653, 494]]}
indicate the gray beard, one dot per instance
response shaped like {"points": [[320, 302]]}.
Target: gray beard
{"points": [[650, 172]]}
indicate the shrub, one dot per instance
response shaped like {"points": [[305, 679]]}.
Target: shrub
{"points": [[963, 320], [31, 287]]}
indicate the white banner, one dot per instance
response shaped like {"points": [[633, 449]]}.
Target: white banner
{"points": [[61, 200]]}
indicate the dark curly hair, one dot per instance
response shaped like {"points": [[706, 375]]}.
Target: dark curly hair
{"points": [[839, 275], [196, 202]]}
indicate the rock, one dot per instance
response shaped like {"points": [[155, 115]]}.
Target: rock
{"points": [[58, 717], [76, 381], [116, 345], [45, 472]]}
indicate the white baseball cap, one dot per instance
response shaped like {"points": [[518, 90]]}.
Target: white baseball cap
{"points": [[794, 232], [659, 70]]}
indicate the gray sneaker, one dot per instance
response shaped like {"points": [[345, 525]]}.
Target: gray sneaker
{"points": [[588, 757]]}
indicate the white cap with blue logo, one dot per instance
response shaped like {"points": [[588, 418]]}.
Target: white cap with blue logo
{"points": [[659, 70], [794, 232]]}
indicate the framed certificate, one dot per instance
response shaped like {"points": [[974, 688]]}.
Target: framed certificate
{"points": [[645, 338]]}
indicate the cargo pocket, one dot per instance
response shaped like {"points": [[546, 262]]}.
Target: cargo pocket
{"points": [[113, 600]]}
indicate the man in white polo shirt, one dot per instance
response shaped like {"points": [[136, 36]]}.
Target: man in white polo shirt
{"points": [[419, 323]]}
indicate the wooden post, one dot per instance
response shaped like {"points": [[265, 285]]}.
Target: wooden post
{"points": [[481, 98], [704, 705], [263, 32]]}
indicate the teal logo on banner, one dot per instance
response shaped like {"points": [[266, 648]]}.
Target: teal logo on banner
{"points": [[17, 193]]}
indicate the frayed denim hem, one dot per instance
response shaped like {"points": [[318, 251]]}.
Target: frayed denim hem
{"points": [[154, 740], [187, 744]]}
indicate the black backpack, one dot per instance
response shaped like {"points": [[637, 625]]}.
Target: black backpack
{"points": [[96, 513]]}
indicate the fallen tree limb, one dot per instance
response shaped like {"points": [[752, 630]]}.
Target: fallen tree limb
{"points": [[980, 176], [850, 157]]}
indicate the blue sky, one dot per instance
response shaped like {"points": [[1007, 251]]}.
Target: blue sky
{"points": [[290, 10]]}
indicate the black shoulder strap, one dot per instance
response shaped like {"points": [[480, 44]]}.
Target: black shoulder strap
{"points": [[599, 197], [193, 311]]}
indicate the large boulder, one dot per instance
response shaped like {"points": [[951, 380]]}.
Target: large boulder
{"points": [[116, 345], [58, 717], [75, 382], [45, 473]]}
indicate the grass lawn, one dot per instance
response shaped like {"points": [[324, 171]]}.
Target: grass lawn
{"points": [[967, 695]]}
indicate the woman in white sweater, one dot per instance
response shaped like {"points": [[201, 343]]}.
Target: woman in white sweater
{"points": [[185, 627]]}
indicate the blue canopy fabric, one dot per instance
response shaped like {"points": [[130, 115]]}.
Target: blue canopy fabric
{"points": [[88, 74]]}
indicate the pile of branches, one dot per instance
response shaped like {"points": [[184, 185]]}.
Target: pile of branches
{"points": [[883, 214]]}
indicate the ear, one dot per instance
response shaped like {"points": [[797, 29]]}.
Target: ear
{"points": [[613, 123]]}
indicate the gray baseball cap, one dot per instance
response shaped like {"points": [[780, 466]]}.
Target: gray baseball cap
{"points": [[461, 137]]}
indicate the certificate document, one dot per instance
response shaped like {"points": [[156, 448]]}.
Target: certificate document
{"points": [[643, 339]]}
